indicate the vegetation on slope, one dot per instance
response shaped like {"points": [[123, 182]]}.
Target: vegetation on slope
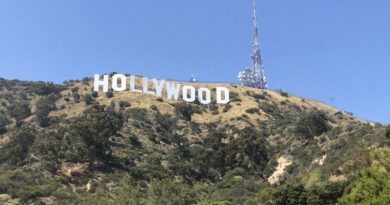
{"points": [[64, 144]]}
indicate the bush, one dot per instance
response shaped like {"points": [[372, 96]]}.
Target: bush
{"points": [[283, 93], [124, 104], [20, 110], [185, 110], [311, 125], [109, 94], [291, 194], [372, 186], [43, 88], [44, 106], [387, 132], [253, 110], [3, 123], [154, 107], [95, 94], [88, 99], [16, 151], [296, 193], [85, 81], [227, 107], [94, 128], [76, 97]]}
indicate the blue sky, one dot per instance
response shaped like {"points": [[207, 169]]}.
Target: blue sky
{"points": [[319, 49]]}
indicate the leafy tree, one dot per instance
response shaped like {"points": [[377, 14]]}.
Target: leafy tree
{"points": [[169, 192], [17, 149], [95, 94], [372, 186], [311, 125], [20, 110], [327, 194], [76, 97], [387, 132], [252, 110], [85, 81], [3, 122], [109, 94], [186, 110], [95, 127], [44, 106], [88, 99], [124, 104], [46, 88], [291, 194]]}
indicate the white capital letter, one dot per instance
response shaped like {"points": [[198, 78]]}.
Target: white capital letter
{"points": [[172, 90], [115, 82], [98, 83], [158, 86], [132, 85], [206, 94], [185, 93], [219, 95], [146, 85]]}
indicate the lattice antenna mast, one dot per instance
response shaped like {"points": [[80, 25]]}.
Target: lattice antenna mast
{"points": [[258, 68]]}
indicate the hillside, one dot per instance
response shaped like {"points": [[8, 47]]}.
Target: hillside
{"points": [[64, 144]]}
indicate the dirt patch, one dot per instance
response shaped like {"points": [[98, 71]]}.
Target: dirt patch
{"points": [[283, 163]]}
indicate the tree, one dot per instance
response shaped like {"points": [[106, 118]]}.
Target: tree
{"points": [[76, 97], [20, 110], [387, 132], [88, 99], [311, 125], [95, 94], [109, 94], [94, 128], [17, 149], [43, 88], [3, 123], [44, 106], [291, 194], [185, 110], [372, 186]]}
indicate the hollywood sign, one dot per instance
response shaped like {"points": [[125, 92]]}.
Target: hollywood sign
{"points": [[122, 83]]}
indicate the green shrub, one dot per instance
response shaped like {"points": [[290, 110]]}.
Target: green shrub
{"points": [[85, 80], [76, 97], [234, 97], [283, 93], [185, 110], [372, 186], [88, 99], [312, 124], [90, 134], [43, 88], [154, 107], [3, 123], [16, 151], [44, 106], [124, 104], [227, 107], [95, 94], [109, 94], [291, 194], [20, 110], [252, 111], [387, 132]]}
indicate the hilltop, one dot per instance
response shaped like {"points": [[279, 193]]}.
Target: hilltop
{"points": [[65, 144]]}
